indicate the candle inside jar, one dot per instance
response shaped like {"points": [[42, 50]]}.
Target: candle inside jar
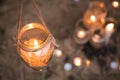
{"points": [[81, 34], [35, 45], [96, 38], [33, 42], [110, 27], [38, 58]]}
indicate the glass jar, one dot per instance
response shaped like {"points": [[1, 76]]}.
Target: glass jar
{"points": [[95, 15]]}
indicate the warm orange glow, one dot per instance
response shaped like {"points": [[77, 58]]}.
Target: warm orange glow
{"points": [[102, 5], [88, 63], [110, 27], [93, 18], [81, 34], [35, 45], [33, 42], [77, 61], [115, 4], [96, 38], [30, 26], [38, 58]]}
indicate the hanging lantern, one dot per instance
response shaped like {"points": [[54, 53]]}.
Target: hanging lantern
{"points": [[94, 17], [82, 34], [35, 42]]}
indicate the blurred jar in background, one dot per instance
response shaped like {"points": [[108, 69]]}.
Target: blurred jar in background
{"points": [[95, 15]]}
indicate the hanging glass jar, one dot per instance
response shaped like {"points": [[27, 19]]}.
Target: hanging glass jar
{"points": [[35, 43], [94, 17], [81, 33]]}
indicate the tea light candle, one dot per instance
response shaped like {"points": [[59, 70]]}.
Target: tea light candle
{"points": [[96, 38], [77, 61], [35, 45], [37, 58], [97, 41], [115, 4], [33, 42], [109, 29], [81, 34]]}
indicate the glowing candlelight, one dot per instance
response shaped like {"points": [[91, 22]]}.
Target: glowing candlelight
{"points": [[115, 4], [30, 26], [58, 52], [77, 61], [88, 63], [38, 58], [96, 38], [109, 29], [93, 18], [81, 34], [33, 42]]}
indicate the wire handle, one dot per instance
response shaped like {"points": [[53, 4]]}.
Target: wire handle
{"points": [[38, 13], [20, 16]]}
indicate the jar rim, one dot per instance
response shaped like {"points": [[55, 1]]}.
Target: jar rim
{"points": [[33, 48]]}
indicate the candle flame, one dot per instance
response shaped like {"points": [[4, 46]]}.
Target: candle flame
{"points": [[33, 42], [110, 27], [115, 4], [88, 62], [77, 61], [81, 34], [58, 52], [36, 42], [96, 38], [93, 18], [30, 26]]}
